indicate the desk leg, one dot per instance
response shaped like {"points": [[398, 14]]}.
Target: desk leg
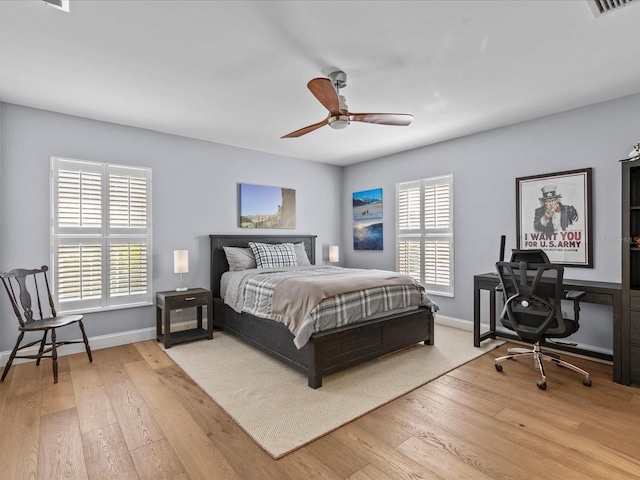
{"points": [[620, 355], [492, 313], [476, 313], [478, 337], [200, 316]]}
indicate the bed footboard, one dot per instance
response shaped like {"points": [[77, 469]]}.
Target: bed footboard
{"points": [[333, 350]]}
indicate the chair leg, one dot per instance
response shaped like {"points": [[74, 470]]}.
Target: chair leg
{"points": [[42, 344], [519, 350], [86, 341], [539, 356], [570, 366], [511, 356], [54, 355], [12, 356]]}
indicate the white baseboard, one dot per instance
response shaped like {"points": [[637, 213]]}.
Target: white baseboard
{"points": [[468, 326], [453, 322], [101, 341], [141, 335]]}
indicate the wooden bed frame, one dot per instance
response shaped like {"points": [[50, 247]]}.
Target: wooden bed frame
{"points": [[326, 352]]}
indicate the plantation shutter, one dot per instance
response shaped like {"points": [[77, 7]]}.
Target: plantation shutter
{"points": [[127, 202], [101, 235], [79, 199], [425, 232], [79, 271]]}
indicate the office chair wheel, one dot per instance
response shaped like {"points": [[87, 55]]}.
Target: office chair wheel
{"points": [[498, 367], [586, 382], [542, 385]]}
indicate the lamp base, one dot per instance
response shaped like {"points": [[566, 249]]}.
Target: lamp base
{"points": [[181, 289]]}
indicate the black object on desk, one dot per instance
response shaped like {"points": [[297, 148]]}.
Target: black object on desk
{"points": [[173, 300], [600, 293]]}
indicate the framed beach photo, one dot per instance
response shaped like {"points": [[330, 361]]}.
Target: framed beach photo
{"points": [[553, 213]]}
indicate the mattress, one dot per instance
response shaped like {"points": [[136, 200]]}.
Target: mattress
{"points": [[313, 298]]}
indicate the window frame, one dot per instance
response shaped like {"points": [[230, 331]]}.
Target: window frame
{"points": [[426, 230], [103, 235]]}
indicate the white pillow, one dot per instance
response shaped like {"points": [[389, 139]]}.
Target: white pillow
{"points": [[239, 258], [301, 254]]}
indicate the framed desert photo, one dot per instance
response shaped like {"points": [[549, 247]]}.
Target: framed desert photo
{"points": [[267, 207], [553, 213]]}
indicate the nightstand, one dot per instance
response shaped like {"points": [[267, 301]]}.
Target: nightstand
{"points": [[173, 300]]}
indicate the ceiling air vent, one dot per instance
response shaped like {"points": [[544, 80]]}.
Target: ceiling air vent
{"points": [[59, 4], [600, 7]]}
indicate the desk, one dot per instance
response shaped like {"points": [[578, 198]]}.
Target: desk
{"points": [[601, 293]]}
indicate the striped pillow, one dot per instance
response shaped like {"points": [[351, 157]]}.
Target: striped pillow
{"points": [[274, 255]]}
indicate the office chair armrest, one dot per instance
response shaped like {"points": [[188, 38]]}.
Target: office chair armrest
{"points": [[574, 295]]}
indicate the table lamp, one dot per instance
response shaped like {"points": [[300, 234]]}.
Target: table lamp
{"points": [[334, 254], [181, 265]]}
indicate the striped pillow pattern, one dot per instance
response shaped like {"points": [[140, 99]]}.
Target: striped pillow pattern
{"points": [[274, 255]]}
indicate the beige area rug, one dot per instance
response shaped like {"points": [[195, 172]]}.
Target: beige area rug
{"points": [[273, 404]]}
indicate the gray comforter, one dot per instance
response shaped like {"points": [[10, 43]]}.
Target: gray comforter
{"points": [[316, 298]]}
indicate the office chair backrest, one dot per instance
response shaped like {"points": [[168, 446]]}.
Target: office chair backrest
{"points": [[532, 294], [529, 256], [21, 284]]}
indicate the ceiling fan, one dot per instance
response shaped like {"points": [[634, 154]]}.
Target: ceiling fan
{"points": [[327, 91]]}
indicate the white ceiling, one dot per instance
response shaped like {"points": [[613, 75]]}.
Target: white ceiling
{"points": [[236, 72]]}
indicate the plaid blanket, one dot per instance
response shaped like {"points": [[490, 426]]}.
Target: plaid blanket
{"points": [[336, 301]]}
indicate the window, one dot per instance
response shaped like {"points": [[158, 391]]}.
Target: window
{"points": [[425, 232], [101, 235]]}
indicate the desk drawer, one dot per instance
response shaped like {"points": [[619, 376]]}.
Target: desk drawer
{"points": [[599, 298], [188, 301]]}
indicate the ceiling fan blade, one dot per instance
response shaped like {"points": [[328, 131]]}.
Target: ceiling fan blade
{"points": [[323, 90], [307, 129], [400, 119]]}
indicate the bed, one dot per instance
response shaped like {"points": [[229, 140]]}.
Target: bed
{"points": [[328, 351]]}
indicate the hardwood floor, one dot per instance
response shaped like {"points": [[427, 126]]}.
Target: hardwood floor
{"points": [[134, 414]]}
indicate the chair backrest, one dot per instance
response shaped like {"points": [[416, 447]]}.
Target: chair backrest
{"points": [[21, 286], [532, 297]]}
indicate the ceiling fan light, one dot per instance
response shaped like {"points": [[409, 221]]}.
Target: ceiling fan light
{"points": [[339, 122]]}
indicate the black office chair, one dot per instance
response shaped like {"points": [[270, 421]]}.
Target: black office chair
{"points": [[532, 292], [22, 285]]}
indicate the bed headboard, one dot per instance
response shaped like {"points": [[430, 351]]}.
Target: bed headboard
{"points": [[219, 263]]}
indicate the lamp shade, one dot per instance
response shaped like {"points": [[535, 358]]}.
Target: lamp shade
{"points": [[180, 261], [334, 253]]}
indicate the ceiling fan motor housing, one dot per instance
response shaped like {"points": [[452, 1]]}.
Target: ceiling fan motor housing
{"points": [[338, 121]]}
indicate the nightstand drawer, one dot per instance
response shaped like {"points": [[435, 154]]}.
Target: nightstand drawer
{"points": [[187, 301]]}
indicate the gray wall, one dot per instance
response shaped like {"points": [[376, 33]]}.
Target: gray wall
{"points": [[194, 188], [195, 194], [484, 168]]}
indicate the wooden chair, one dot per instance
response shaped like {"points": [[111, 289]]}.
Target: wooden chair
{"points": [[20, 284]]}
